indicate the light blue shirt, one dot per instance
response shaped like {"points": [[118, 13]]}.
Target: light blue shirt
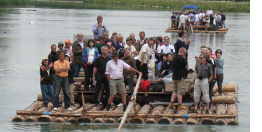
{"points": [[99, 32], [193, 17], [219, 65]]}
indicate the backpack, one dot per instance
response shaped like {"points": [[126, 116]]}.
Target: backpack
{"points": [[144, 86]]}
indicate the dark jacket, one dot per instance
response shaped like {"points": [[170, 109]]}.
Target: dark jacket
{"points": [[120, 49], [179, 44], [76, 48], [52, 57], [167, 67], [45, 77], [130, 61], [223, 17], [71, 73]]}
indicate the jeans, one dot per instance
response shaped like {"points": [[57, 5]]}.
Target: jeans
{"points": [[47, 92], [101, 79], [77, 69], [130, 83], [223, 24], [220, 82], [88, 74], [211, 86], [61, 82], [143, 69]]}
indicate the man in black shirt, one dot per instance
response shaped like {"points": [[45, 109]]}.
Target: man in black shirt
{"points": [[180, 67], [99, 74], [173, 20], [52, 57]]}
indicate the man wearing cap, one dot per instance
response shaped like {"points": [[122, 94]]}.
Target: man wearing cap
{"points": [[144, 56], [167, 47], [78, 47], [60, 48], [61, 67], [114, 74], [130, 46], [68, 49], [99, 28]]}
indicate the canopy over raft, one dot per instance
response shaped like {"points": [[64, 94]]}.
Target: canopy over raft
{"points": [[149, 107]]}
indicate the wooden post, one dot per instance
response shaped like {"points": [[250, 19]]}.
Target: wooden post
{"points": [[156, 111], [18, 118], [144, 111], [208, 121]]}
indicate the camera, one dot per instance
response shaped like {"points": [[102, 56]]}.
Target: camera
{"points": [[200, 77]]}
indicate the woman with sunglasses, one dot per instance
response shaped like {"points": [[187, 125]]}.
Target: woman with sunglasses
{"points": [[204, 76], [219, 62]]}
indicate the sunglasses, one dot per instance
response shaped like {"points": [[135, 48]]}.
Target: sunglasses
{"points": [[219, 52], [200, 57]]}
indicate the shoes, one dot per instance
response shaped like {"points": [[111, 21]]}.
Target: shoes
{"points": [[124, 107], [55, 109], [207, 111], [60, 104], [45, 105], [120, 104], [181, 107], [171, 105], [69, 109], [108, 107], [194, 111]]}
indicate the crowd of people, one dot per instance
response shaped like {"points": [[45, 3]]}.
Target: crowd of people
{"points": [[185, 20], [113, 63]]}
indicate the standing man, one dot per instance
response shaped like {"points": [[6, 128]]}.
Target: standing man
{"points": [[68, 49], [142, 35], [61, 67], [99, 28], [167, 47], [136, 44], [181, 42], [173, 20], [52, 57], [128, 75], [182, 21], [100, 41], [144, 56], [78, 47], [180, 67], [99, 74], [114, 74], [130, 46], [223, 19], [209, 12], [120, 45]]}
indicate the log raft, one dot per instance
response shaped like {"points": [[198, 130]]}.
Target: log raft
{"points": [[201, 29], [224, 108]]}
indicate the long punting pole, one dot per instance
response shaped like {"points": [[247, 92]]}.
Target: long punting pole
{"points": [[131, 103]]}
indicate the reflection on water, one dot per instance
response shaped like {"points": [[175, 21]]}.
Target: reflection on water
{"points": [[23, 45]]}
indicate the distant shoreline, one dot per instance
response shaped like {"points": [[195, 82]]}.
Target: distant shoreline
{"points": [[130, 4]]}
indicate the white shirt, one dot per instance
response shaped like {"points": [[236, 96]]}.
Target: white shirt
{"points": [[209, 12], [81, 43], [182, 19], [166, 49], [132, 49], [91, 55], [153, 52], [148, 51], [115, 69], [197, 18]]}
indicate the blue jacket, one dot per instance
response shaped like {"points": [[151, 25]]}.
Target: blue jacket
{"points": [[86, 53], [120, 49]]}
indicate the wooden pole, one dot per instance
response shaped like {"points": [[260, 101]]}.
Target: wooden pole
{"points": [[166, 120], [156, 111], [180, 120], [18, 118], [233, 110], [130, 105], [208, 121]]}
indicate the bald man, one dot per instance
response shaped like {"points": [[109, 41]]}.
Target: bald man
{"points": [[120, 45], [78, 47]]}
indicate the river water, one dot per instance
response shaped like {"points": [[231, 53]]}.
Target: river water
{"points": [[22, 45]]}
